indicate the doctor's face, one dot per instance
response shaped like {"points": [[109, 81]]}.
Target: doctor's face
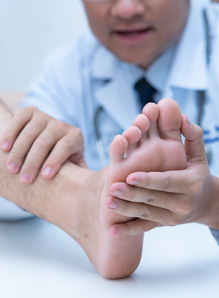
{"points": [[137, 31]]}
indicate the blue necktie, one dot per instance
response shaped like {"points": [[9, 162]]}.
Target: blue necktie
{"points": [[145, 91]]}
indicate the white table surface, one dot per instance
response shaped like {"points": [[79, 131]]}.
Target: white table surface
{"points": [[39, 260]]}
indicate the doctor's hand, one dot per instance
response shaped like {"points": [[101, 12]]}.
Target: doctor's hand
{"points": [[170, 198], [37, 140]]}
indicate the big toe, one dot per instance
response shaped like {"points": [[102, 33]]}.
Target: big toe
{"points": [[170, 118]]}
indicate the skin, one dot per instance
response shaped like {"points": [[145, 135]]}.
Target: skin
{"points": [[37, 140], [166, 20]]}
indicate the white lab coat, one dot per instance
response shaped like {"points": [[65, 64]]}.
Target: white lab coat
{"points": [[76, 81]]}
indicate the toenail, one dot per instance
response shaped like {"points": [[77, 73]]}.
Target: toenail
{"points": [[117, 193], [114, 205], [133, 182]]}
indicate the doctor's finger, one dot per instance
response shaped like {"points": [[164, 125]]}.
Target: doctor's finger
{"points": [[19, 120], [23, 144], [69, 147], [133, 227], [194, 142], [139, 210], [182, 181], [127, 193], [37, 154]]}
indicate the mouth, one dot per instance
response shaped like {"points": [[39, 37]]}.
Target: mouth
{"points": [[132, 33], [133, 36]]}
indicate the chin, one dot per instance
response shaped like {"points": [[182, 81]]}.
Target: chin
{"points": [[134, 59]]}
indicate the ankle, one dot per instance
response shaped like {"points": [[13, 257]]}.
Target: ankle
{"points": [[73, 182]]}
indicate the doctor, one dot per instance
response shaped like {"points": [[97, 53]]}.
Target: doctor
{"points": [[174, 46]]}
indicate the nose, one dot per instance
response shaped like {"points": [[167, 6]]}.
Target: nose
{"points": [[127, 9]]}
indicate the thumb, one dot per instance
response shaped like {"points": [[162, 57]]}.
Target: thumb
{"points": [[194, 142]]}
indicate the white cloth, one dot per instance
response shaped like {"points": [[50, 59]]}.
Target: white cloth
{"points": [[76, 81]]}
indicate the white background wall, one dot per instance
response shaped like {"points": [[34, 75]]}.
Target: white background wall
{"points": [[29, 31]]}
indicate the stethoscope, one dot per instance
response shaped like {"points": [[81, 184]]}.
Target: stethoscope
{"points": [[99, 142], [201, 101]]}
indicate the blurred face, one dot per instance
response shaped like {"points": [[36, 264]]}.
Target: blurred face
{"points": [[137, 31]]}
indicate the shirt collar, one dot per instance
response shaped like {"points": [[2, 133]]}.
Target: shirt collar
{"points": [[104, 63], [156, 74]]}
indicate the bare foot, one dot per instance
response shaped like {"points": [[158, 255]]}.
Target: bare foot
{"points": [[160, 148], [152, 143]]}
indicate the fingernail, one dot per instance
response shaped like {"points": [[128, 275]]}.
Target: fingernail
{"points": [[12, 167], [47, 171], [25, 178], [114, 205], [133, 182], [6, 146], [187, 120], [117, 193]]}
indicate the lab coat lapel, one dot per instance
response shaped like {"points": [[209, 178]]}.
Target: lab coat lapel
{"points": [[116, 96], [118, 100], [190, 68]]}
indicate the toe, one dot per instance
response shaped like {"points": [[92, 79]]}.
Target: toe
{"points": [[151, 111], [132, 134], [118, 148], [142, 122], [170, 118]]}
